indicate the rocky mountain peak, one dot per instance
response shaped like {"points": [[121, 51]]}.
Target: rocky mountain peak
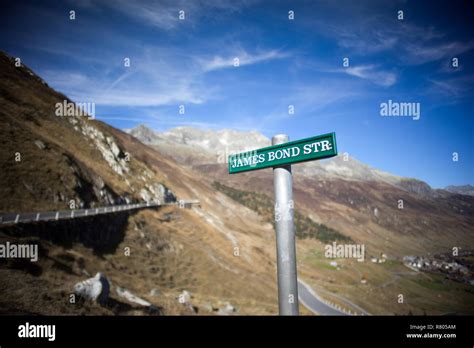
{"points": [[461, 189], [227, 141]]}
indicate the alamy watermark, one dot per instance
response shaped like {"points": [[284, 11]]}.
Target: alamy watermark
{"points": [[84, 109], [398, 109], [345, 251], [28, 330], [20, 251]]}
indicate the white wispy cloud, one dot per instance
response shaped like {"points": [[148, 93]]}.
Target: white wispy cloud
{"points": [[374, 29], [452, 89], [309, 100], [380, 34], [157, 76], [416, 53], [373, 74], [164, 14], [245, 58], [127, 92]]}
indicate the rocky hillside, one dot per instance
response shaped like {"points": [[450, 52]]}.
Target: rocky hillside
{"points": [[218, 257], [52, 162], [220, 253], [462, 189]]}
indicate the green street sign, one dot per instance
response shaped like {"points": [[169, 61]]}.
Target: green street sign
{"points": [[309, 149]]}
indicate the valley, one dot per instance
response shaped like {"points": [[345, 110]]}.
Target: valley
{"points": [[389, 215], [221, 253]]}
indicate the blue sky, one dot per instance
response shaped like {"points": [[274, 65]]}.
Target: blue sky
{"points": [[283, 62]]}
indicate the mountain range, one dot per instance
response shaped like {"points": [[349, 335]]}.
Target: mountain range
{"points": [[222, 252], [196, 146]]}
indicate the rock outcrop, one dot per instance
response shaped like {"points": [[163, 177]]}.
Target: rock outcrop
{"points": [[94, 289]]}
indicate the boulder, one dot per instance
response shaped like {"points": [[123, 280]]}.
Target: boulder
{"points": [[226, 310], [154, 292], [95, 289], [208, 307], [40, 144], [184, 297], [130, 297]]}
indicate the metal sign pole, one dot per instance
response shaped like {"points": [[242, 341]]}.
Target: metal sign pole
{"points": [[285, 236], [280, 156]]}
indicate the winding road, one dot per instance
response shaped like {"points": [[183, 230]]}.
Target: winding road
{"points": [[313, 302], [317, 305]]}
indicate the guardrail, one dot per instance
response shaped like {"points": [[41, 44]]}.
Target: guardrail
{"points": [[14, 218]]}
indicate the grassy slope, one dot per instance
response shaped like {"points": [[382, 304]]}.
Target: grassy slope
{"points": [[199, 245], [262, 204], [423, 293]]}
